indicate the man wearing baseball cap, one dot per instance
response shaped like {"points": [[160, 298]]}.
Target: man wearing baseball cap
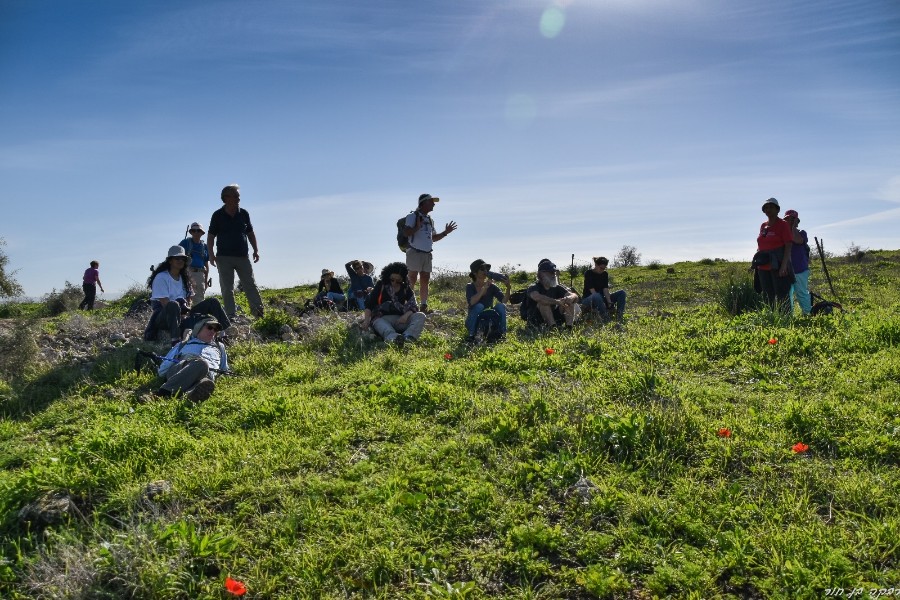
{"points": [[420, 232], [198, 252], [800, 262], [550, 303]]}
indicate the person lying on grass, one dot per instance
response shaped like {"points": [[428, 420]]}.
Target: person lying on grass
{"points": [[391, 307], [190, 367]]}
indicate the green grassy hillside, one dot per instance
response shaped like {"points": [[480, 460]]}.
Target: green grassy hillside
{"points": [[661, 460]]}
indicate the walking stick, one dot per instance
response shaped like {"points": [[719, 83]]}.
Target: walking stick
{"points": [[820, 246]]}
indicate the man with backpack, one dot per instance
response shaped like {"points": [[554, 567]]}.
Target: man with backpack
{"points": [[480, 297], [198, 254], [190, 367], [800, 262], [420, 235], [547, 302]]}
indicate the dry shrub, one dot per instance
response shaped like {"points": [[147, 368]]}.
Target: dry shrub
{"points": [[19, 350]]}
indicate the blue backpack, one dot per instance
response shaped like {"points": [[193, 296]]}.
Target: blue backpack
{"points": [[488, 324]]}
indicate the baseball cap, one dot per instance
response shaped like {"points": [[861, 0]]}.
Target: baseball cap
{"points": [[546, 265], [425, 197], [791, 213]]}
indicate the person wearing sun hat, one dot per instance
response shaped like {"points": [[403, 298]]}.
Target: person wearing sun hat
{"points": [[190, 367], [420, 232], [171, 297], [330, 287], [197, 250], [800, 263], [481, 295], [773, 245]]}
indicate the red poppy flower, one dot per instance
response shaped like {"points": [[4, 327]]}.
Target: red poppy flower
{"points": [[773, 341], [549, 351], [799, 447], [724, 432], [448, 356], [233, 586]]}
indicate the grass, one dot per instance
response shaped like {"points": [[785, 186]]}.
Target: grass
{"points": [[587, 465]]}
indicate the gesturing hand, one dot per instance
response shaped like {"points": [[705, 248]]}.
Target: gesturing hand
{"points": [[449, 227]]}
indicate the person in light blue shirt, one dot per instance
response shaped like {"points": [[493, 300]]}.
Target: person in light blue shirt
{"points": [[190, 367], [198, 253]]}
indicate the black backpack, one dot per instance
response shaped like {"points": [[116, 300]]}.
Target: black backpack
{"points": [[488, 324]]}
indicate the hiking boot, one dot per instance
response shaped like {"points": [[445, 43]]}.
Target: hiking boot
{"points": [[409, 339], [423, 308], [162, 392], [202, 390], [470, 339], [399, 341]]}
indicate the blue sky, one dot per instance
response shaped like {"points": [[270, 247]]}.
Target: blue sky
{"points": [[547, 128]]}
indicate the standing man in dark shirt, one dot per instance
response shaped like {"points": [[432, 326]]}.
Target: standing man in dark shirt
{"points": [[596, 294], [229, 231]]}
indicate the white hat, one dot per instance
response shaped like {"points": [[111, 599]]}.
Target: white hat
{"points": [[772, 201], [196, 225], [176, 252], [327, 272]]}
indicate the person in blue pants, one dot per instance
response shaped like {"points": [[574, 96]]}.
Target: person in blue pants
{"points": [[482, 293]]}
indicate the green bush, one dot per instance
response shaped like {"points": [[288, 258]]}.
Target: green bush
{"points": [[272, 322], [64, 300], [737, 296]]}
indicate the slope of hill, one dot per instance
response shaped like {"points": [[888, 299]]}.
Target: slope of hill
{"points": [[691, 454]]}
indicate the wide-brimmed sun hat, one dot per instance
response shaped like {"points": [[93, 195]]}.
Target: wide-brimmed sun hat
{"points": [[176, 252], [771, 201]]}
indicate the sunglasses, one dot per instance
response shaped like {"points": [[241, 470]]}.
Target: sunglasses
{"points": [[178, 257], [213, 327], [196, 231]]}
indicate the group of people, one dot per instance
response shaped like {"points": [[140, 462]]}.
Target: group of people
{"points": [[781, 262], [178, 297], [391, 308]]}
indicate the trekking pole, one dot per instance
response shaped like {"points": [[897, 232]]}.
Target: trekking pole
{"points": [[157, 357], [572, 273], [820, 246]]}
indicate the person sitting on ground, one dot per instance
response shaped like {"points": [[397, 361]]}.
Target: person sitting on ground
{"points": [[330, 287], [190, 367], [391, 307], [198, 254], [481, 294], [361, 282], [89, 285], [550, 303], [170, 298], [596, 296]]}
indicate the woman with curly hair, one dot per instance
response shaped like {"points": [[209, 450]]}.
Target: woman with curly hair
{"points": [[171, 291], [391, 307]]}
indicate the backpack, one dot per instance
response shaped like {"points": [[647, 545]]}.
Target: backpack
{"points": [[402, 239], [488, 324]]}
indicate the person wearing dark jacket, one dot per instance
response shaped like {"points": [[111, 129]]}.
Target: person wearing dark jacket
{"points": [[391, 307]]}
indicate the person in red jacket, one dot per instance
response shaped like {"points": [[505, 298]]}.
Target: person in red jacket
{"points": [[774, 241]]}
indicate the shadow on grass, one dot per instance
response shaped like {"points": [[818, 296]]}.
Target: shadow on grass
{"points": [[30, 396]]}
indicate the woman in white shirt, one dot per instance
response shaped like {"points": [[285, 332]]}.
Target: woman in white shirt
{"points": [[171, 292]]}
